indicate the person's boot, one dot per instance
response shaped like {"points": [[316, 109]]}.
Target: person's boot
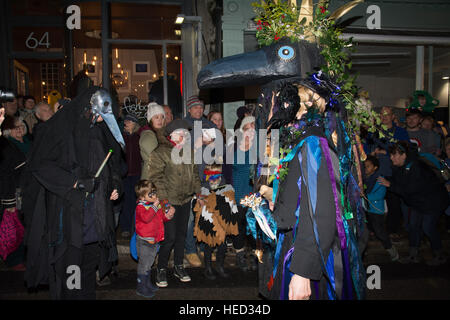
{"points": [[149, 282], [241, 261], [220, 262], [161, 278], [413, 256], [181, 273], [209, 272], [142, 288], [438, 259], [393, 253], [193, 259], [106, 281]]}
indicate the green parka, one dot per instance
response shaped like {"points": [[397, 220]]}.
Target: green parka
{"points": [[147, 143], [175, 182]]}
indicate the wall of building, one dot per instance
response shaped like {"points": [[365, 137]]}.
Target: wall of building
{"points": [[384, 91], [236, 15]]}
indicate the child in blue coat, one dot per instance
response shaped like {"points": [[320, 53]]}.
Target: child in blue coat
{"points": [[375, 193]]}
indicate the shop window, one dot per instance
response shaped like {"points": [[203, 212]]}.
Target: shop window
{"points": [[51, 78]]}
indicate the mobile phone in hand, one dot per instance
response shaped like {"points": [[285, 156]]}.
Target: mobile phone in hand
{"points": [[209, 134]]}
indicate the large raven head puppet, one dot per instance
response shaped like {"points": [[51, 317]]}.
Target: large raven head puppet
{"points": [[282, 69], [281, 60]]}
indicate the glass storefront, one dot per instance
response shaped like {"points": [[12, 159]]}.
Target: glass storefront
{"points": [[145, 49]]}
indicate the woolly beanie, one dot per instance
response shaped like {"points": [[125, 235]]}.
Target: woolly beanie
{"points": [[194, 101], [154, 109], [246, 120]]}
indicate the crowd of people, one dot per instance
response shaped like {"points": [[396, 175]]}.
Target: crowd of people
{"points": [[406, 189], [21, 121], [162, 202], [156, 197]]}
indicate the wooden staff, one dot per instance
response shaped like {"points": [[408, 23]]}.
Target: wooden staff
{"points": [[100, 169]]}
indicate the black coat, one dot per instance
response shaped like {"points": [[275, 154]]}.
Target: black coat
{"points": [[66, 150], [10, 158], [419, 187]]}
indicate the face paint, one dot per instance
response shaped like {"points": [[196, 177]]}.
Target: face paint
{"points": [[214, 183], [101, 105]]}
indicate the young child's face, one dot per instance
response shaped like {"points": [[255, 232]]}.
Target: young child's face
{"points": [[427, 124], [151, 197], [214, 183], [370, 168]]}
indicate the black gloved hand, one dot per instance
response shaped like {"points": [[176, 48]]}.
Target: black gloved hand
{"points": [[87, 184]]}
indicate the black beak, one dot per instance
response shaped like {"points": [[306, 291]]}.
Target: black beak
{"points": [[281, 60], [233, 71]]}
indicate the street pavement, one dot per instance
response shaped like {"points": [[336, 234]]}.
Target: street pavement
{"points": [[398, 281]]}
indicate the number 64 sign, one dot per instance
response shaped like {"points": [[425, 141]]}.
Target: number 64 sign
{"points": [[33, 43]]}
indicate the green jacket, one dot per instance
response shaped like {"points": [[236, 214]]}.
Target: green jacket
{"points": [[175, 182], [147, 143]]}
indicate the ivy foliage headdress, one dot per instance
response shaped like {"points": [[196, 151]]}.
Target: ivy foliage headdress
{"points": [[278, 19]]}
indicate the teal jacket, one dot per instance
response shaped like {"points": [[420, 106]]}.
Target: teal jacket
{"points": [[376, 199]]}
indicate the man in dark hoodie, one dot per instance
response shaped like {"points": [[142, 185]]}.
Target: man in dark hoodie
{"points": [[422, 191]]}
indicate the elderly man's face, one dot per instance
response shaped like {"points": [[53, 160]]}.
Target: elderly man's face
{"points": [[196, 112], [386, 116], [169, 115], [44, 112]]}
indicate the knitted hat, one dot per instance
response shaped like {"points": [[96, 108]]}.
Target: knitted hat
{"points": [[241, 111], [175, 125], [194, 101], [131, 117], [246, 120], [153, 109]]}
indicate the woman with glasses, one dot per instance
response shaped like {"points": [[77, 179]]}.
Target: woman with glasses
{"points": [[15, 130]]}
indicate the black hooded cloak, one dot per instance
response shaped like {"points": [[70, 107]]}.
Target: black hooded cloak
{"points": [[60, 219]]}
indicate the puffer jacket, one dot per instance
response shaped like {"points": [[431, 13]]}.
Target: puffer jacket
{"points": [[150, 221], [176, 183]]}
